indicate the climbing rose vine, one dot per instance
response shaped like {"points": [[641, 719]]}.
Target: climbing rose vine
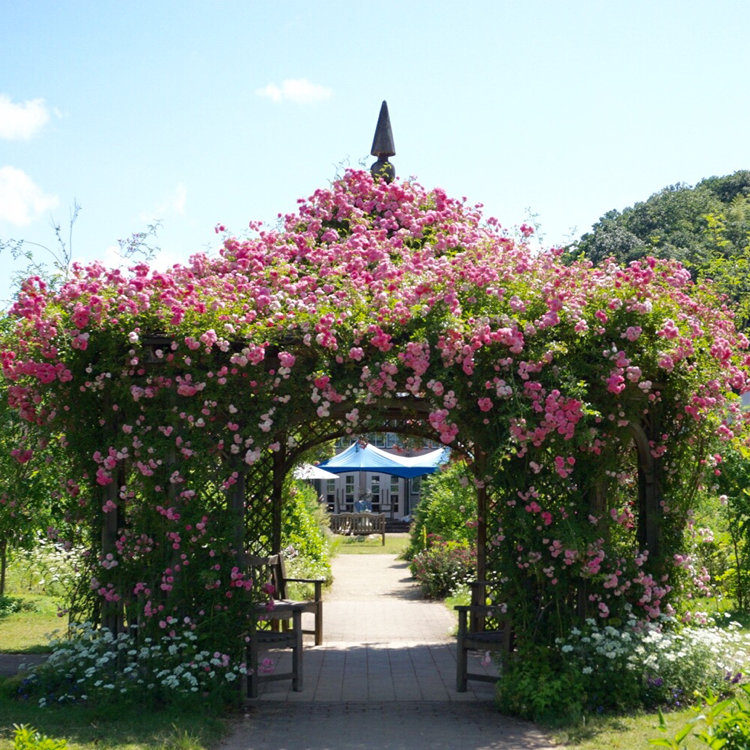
{"points": [[592, 401]]}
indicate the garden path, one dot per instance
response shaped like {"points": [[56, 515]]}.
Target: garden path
{"points": [[384, 678]]}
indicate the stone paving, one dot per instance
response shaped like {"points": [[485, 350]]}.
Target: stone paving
{"points": [[384, 678], [382, 642]]}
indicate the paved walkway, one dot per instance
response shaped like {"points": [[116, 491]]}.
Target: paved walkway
{"points": [[384, 678]]}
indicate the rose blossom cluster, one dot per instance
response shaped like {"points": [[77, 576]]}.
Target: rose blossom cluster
{"points": [[177, 388]]}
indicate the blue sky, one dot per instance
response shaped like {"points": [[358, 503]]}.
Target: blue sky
{"points": [[194, 113]]}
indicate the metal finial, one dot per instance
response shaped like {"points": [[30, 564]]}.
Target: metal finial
{"points": [[382, 147]]}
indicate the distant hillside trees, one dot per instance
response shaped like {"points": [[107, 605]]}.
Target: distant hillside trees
{"points": [[706, 227]]}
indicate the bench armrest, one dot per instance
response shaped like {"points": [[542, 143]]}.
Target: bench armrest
{"points": [[305, 580], [317, 583], [471, 622]]}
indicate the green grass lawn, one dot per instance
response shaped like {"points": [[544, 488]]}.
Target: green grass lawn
{"points": [[624, 732], [27, 630], [126, 728], [395, 544]]}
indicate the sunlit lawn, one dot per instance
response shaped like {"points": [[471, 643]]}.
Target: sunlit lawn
{"points": [[28, 631], [395, 544], [624, 732], [123, 728]]}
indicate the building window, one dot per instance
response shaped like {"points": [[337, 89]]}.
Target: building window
{"points": [[349, 491], [375, 493], [416, 488], [395, 493]]}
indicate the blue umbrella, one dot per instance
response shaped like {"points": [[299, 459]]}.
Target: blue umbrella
{"points": [[359, 457]]}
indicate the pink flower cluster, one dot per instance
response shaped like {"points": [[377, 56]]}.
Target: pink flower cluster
{"points": [[174, 388]]}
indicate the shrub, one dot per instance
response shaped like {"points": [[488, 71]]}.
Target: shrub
{"points": [[443, 568], [12, 604], [645, 665], [541, 686], [27, 738], [602, 668], [447, 509], [303, 536], [94, 666]]}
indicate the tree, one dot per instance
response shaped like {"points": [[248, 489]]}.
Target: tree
{"points": [[706, 227], [447, 509]]}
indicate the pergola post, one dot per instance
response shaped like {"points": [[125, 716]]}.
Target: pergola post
{"points": [[111, 611], [649, 496], [277, 498], [480, 471]]}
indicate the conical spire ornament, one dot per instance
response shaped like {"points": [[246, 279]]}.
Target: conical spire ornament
{"points": [[382, 147]]}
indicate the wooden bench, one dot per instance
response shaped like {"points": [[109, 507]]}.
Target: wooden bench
{"points": [[481, 627], [272, 570], [358, 524], [260, 640]]}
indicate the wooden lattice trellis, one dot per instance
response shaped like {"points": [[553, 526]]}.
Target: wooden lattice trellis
{"points": [[253, 502]]}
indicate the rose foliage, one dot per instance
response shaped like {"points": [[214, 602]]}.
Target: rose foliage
{"points": [[593, 402]]}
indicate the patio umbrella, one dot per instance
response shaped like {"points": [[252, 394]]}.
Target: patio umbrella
{"points": [[309, 471], [359, 457]]}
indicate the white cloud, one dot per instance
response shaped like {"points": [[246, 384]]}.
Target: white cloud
{"points": [[180, 199], [298, 90], [111, 257], [22, 121], [21, 199], [175, 202], [171, 204]]}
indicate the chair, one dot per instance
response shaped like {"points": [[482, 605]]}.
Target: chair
{"points": [[273, 570], [262, 640], [481, 627]]}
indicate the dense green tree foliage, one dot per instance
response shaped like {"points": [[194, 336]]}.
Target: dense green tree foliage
{"points": [[706, 227], [447, 509]]}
